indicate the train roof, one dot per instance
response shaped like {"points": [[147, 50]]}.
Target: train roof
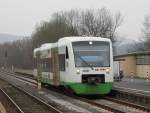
{"points": [[80, 38], [46, 46], [36, 49], [63, 41], [43, 47]]}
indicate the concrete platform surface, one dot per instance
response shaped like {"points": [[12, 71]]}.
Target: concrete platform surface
{"points": [[137, 85]]}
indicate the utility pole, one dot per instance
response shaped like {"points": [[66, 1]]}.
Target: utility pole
{"points": [[5, 55]]}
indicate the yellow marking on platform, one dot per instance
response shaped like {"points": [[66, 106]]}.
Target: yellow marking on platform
{"points": [[2, 109]]}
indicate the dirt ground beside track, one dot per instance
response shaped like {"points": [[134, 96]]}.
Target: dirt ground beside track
{"points": [[2, 109], [28, 71]]}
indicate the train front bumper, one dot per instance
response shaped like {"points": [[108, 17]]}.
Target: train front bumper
{"points": [[87, 89]]}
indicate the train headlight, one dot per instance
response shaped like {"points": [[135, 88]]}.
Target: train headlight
{"points": [[78, 71], [107, 71]]}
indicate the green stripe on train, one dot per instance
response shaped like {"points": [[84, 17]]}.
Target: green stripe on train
{"points": [[86, 89], [101, 88]]}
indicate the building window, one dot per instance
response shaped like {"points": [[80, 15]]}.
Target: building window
{"points": [[62, 62], [143, 60]]}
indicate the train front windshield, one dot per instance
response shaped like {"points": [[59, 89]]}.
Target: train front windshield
{"points": [[91, 53]]}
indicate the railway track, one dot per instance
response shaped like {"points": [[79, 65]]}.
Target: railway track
{"points": [[25, 75], [114, 106], [26, 102], [147, 109], [29, 103], [105, 104], [114, 110], [9, 105]]}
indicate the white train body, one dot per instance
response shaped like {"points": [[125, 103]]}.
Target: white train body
{"points": [[85, 64]]}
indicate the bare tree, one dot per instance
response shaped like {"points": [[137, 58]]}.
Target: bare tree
{"points": [[101, 23], [93, 23]]}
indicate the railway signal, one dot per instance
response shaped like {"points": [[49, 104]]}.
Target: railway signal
{"points": [[147, 77]]}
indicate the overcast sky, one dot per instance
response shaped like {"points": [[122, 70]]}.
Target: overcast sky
{"points": [[19, 17]]}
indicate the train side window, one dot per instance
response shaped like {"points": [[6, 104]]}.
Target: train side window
{"points": [[62, 62], [51, 65], [47, 65], [67, 54]]}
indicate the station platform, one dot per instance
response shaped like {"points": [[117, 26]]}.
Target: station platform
{"points": [[133, 85]]}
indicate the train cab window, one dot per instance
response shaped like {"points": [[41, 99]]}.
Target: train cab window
{"points": [[67, 54]]}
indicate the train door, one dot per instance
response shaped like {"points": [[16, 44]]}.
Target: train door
{"points": [[67, 60], [55, 65]]}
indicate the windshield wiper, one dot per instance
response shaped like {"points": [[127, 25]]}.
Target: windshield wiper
{"points": [[85, 61]]}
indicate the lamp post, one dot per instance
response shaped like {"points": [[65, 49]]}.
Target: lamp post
{"points": [[5, 55]]}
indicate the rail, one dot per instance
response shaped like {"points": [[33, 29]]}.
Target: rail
{"points": [[21, 96], [14, 106]]}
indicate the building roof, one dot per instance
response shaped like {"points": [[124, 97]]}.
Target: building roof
{"points": [[134, 53]]}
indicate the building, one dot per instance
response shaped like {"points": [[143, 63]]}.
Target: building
{"points": [[135, 64]]}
